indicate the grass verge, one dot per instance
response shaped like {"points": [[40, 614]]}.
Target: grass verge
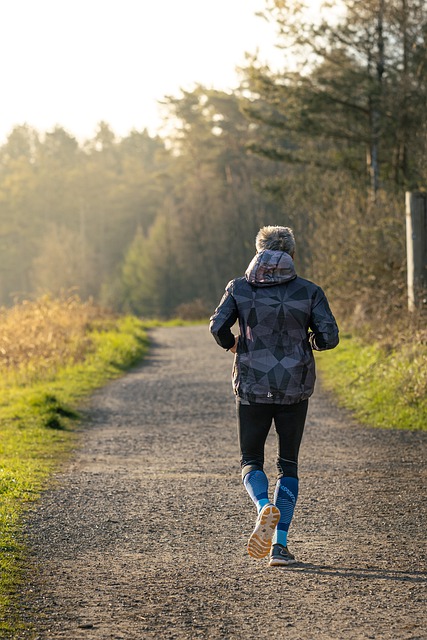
{"points": [[384, 387], [36, 433]]}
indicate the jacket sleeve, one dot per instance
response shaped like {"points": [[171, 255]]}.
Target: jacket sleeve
{"points": [[324, 329], [223, 319]]}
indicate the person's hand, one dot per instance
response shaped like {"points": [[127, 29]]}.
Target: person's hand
{"points": [[234, 347]]}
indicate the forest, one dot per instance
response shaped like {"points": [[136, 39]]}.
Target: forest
{"points": [[158, 226]]}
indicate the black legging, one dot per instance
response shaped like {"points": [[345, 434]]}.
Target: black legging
{"points": [[253, 424]]}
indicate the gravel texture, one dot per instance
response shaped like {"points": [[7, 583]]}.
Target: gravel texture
{"points": [[144, 534]]}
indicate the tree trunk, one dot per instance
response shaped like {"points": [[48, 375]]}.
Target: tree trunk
{"points": [[375, 101]]}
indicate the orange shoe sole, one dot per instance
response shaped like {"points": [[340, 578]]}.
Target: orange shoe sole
{"points": [[259, 543]]}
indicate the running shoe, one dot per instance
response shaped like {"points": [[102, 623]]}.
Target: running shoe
{"points": [[280, 556], [259, 543]]}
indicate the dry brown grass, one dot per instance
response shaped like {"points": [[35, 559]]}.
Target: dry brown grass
{"points": [[39, 336]]}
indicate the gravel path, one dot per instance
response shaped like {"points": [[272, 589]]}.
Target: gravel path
{"points": [[144, 534]]}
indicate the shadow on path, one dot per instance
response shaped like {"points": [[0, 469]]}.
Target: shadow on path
{"points": [[371, 573]]}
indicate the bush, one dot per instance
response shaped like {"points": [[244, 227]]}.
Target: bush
{"points": [[195, 310]]}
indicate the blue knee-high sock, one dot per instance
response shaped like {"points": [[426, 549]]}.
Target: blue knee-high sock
{"points": [[256, 484], [285, 497]]}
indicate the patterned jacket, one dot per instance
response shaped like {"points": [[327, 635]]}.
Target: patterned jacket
{"points": [[282, 317]]}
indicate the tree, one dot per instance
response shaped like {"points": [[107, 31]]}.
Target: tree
{"points": [[216, 198], [18, 185], [356, 67], [149, 274], [59, 265]]}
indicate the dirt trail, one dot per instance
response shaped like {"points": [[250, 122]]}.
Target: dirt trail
{"points": [[144, 534]]}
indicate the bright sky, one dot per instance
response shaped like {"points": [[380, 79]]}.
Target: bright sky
{"points": [[76, 62]]}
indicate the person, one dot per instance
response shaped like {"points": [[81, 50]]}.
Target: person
{"points": [[282, 319]]}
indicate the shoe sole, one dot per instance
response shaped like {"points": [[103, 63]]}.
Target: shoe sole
{"points": [[259, 543], [279, 562]]}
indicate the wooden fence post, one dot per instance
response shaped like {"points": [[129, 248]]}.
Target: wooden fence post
{"points": [[416, 248]]}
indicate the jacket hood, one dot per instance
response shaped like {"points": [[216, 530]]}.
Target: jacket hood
{"points": [[268, 268]]}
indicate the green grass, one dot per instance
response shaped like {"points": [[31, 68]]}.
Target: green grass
{"points": [[37, 432], [384, 387]]}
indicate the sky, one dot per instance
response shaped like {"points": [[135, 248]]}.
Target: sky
{"points": [[74, 63]]}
